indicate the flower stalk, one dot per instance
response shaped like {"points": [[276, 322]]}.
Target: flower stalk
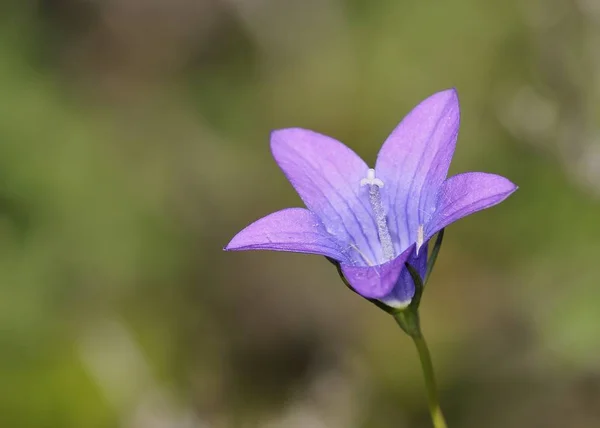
{"points": [[435, 410], [408, 320]]}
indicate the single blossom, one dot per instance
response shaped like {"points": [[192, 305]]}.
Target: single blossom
{"points": [[374, 220]]}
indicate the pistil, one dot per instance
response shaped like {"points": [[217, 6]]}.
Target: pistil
{"points": [[387, 246]]}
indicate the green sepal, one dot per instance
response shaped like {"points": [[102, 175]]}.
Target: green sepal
{"points": [[419, 286], [434, 254]]}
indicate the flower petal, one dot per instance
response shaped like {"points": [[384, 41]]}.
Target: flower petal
{"points": [[326, 174], [404, 289], [464, 194], [414, 162], [292, 229], [375, 282]]}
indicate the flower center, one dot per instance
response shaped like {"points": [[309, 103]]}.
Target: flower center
{"points": [[374, 184]]}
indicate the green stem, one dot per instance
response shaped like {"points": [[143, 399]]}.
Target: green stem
{"points": [[409, 321], [432, 394]]}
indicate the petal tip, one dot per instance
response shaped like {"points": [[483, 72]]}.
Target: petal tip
{"points": [[450, 95], [283, 140], [451, 91], [453, 99], [275, 137], [278, 136], [510, 187], [231, 245]]}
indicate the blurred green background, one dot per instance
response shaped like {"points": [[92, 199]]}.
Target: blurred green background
{"points": [[134, 143]]}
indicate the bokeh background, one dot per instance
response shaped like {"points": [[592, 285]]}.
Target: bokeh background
{"points": [[134, 143]]}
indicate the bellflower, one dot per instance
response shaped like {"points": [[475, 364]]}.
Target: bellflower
{"points": [[374, 220]]}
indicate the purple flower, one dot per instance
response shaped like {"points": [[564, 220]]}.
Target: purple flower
{"points": [[373, 221]]}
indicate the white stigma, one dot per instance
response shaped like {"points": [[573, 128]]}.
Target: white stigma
{"points": [[387, 246], [371, 180], [420, 237]]}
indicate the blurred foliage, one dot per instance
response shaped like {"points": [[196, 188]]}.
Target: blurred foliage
{"points": [[134, 144]]}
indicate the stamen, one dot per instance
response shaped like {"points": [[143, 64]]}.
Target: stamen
{"points": [[420, 237], [367, 260], [385, 238]]}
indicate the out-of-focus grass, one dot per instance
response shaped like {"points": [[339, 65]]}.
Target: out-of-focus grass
{"points": [[119, 186]]}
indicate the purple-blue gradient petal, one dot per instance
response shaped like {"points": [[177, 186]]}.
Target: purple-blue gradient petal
{"points": [[292, 229], [404, 290], [414, 160], [326, 174], [465, 194], [375, 282]]}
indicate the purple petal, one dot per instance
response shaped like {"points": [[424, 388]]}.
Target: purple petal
{"points": [[326, 174], [404, 290], [465, 194], [375, 282], [292, 229], [414, 162]]}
